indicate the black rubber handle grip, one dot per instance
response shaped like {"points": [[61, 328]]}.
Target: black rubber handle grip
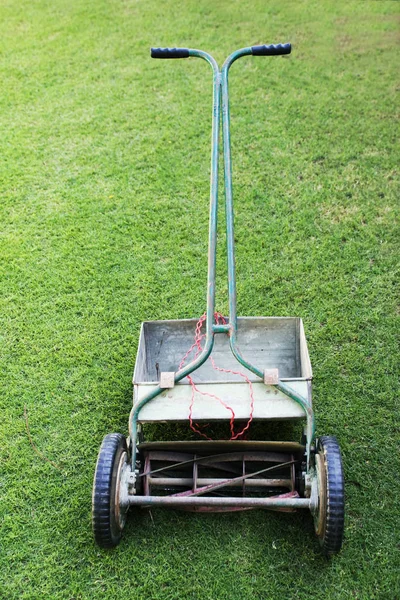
{"points": [[271, 50], [169, 53]]}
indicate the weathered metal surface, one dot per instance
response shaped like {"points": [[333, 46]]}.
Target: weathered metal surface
{"points": [[290, 500], [121, 490], [273, 341], [169, 465], [306, 370], [222, 446], [319, 505], [275, 457], [229, 472], [174, 404], [164, 482], [213, 487], [277, 342], [270, 342]]}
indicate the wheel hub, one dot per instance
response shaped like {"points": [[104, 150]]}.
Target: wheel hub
{"points": [[320, 510], [121, 490]]}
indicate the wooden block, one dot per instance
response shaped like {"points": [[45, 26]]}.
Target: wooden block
{"points": [[167, 379], [271, 376]]}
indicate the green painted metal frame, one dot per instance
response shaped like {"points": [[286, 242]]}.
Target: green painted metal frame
{"points": [[220, 88]]}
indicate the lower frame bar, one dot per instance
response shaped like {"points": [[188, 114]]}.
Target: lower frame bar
{"points": [[177, 501]]}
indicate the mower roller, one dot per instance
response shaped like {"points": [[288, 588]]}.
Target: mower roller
{"points": [[274, 384]]}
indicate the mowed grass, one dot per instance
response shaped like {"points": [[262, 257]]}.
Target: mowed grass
{"points": [[104, 210]]}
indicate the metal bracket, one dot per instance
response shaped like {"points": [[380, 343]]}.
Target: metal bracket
{"points": [[167, 379]]}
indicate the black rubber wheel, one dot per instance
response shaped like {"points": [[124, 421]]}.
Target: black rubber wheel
{"points": [[329, 518], [107, 519]]}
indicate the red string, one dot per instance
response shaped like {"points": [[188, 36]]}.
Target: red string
{"points": [[197, 344]]}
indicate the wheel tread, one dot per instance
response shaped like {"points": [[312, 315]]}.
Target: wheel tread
{"points": [[333, 536], [101, 500]]}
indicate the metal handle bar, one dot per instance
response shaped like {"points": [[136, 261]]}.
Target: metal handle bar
{"points": [[283, 387], [220, 83], [264, 50]]}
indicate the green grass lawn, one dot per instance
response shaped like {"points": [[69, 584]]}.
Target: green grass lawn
{"points": [[104, 208]]}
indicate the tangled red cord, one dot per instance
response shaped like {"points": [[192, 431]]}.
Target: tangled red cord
{"points": [[197, 344]]}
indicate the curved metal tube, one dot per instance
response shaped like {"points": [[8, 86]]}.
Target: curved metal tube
{"points": [[229, 199], [231, 249], [212, 253], [220, 87]]}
